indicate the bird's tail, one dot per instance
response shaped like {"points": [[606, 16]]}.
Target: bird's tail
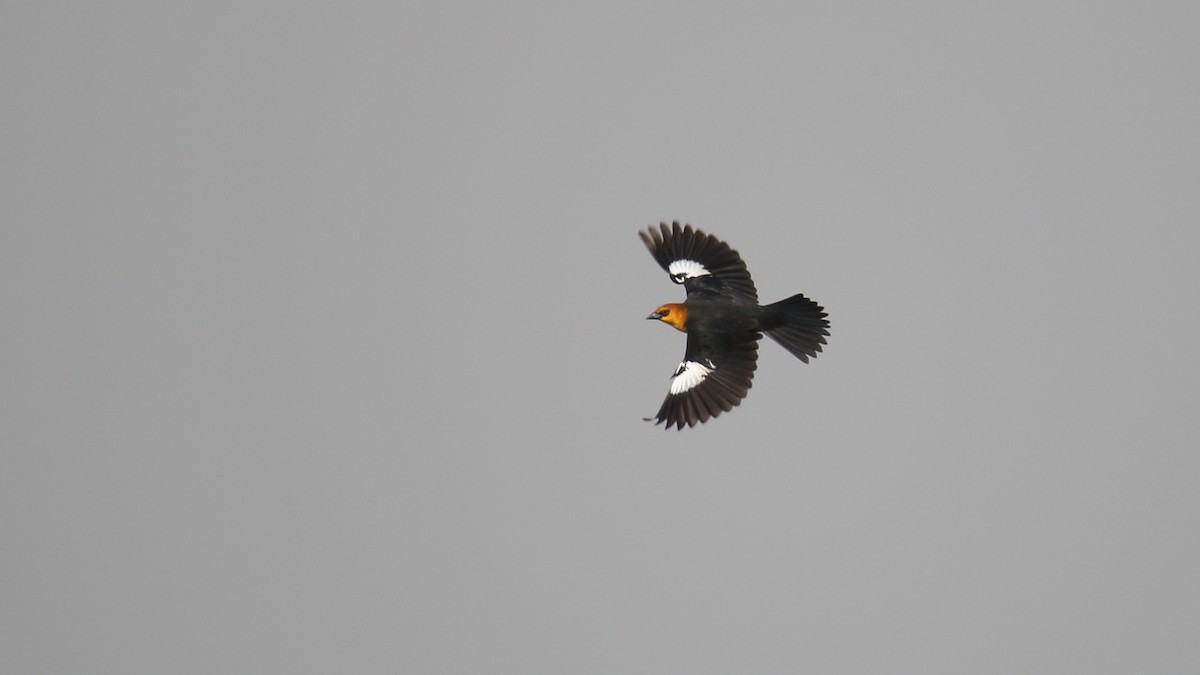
{"points": [[797, 323]]}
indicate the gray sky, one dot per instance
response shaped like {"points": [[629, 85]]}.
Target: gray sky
{"points": [[324, 346]]}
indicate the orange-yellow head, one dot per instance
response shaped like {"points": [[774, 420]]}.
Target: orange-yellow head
{"points": [[672, 314]]}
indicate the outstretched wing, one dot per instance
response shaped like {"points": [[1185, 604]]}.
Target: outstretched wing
{"points": [[714, 376], [699, 261]]}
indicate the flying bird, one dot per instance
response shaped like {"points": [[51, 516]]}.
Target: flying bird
{"points": [[723, 322]]}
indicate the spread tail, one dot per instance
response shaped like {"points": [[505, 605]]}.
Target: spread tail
{"points": [[798, 324]]}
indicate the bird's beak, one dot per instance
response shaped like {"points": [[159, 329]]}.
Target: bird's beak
{"points": [[655, 315]]}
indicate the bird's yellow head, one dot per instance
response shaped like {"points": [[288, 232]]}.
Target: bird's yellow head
{"points": [[672, 314]]}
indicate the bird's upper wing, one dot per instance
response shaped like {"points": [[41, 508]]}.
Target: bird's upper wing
{"points": [[699, 261], [713, 377]]}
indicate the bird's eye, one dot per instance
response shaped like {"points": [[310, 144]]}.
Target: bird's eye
{"points": [[678, 278], [664, 312]]}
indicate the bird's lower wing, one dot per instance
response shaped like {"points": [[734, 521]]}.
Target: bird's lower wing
{"points": [[709, 381]]}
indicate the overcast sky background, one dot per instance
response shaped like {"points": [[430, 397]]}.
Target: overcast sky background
{"points": [[324, 351]]}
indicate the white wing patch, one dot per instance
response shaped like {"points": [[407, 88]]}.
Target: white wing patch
{"points": [[686, 269], [688, 376]]}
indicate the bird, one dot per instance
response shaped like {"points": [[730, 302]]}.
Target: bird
{"points": [[723, 322]]}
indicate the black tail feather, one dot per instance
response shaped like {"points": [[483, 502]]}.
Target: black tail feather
{"points": [[798, 324]]}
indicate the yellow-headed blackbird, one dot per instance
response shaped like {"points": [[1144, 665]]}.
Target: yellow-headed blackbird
{"points": [[723, 322]]}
